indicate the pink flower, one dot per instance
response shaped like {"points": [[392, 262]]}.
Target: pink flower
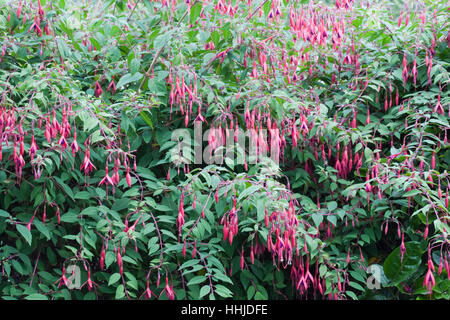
{"points": [[87, 165], [74, 146], [169, 290], [112, 86], [62, 142], [148, 293], [119, 261], [55, 124], [405, 68], [98, 89], [402, 248], [180, 218], [63, 280], [33, 147], [429, 281], [89, 282], [438, 108], [102, 259], [106, 179], [128, 177]]}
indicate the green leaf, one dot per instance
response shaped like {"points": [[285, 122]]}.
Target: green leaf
{"points": [[82, 195], [332, 205], [259, 296], [69, 217], [62, 48], [134, 66], [260, 210], [411, 193], [42, 229], [223, 291], [114, 278], [317, 218], [196, 280], [251, 292], [24, 232], [146, 118], [332, 219], [356, 286], [189, 263], [65, 187], [3, 213], [398, 271], [195, 12], [163, 39], [120, 204], [128, 78], [36, 296], [351, 294], [222, 277], [120, 293], [204, 291]]}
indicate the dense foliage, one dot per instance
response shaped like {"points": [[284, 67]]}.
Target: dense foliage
{"points": [[341, 191]]}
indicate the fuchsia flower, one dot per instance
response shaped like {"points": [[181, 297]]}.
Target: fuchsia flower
{"points": [[55, 125], [254, 73], [128, 177], [98, 89], [304, 125], [447, 266], [102, 258], [169, 290], [294, 133], [63, 142], [40, 11], [74, 146], [407, 19], [89, 282], [429, 281], [405, 69], [184, 249], [402, 249], [180, 218], [19, 9], [107, 180], [148, 293], [199, 115], [33, 148], [119, 261], [48, 130], [414, 71], [87, 165], [112, 86], [438, 108], [433, 160], [194, 251], [19, 162], [230, 223], [28, 226], [252, 255], [63, 280]]}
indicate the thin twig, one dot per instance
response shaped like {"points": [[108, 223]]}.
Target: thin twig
{"points": [[35, 266], [134, 8], [256, 10]]}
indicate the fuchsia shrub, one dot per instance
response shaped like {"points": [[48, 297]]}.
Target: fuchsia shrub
{"points": [[323, 146]]}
